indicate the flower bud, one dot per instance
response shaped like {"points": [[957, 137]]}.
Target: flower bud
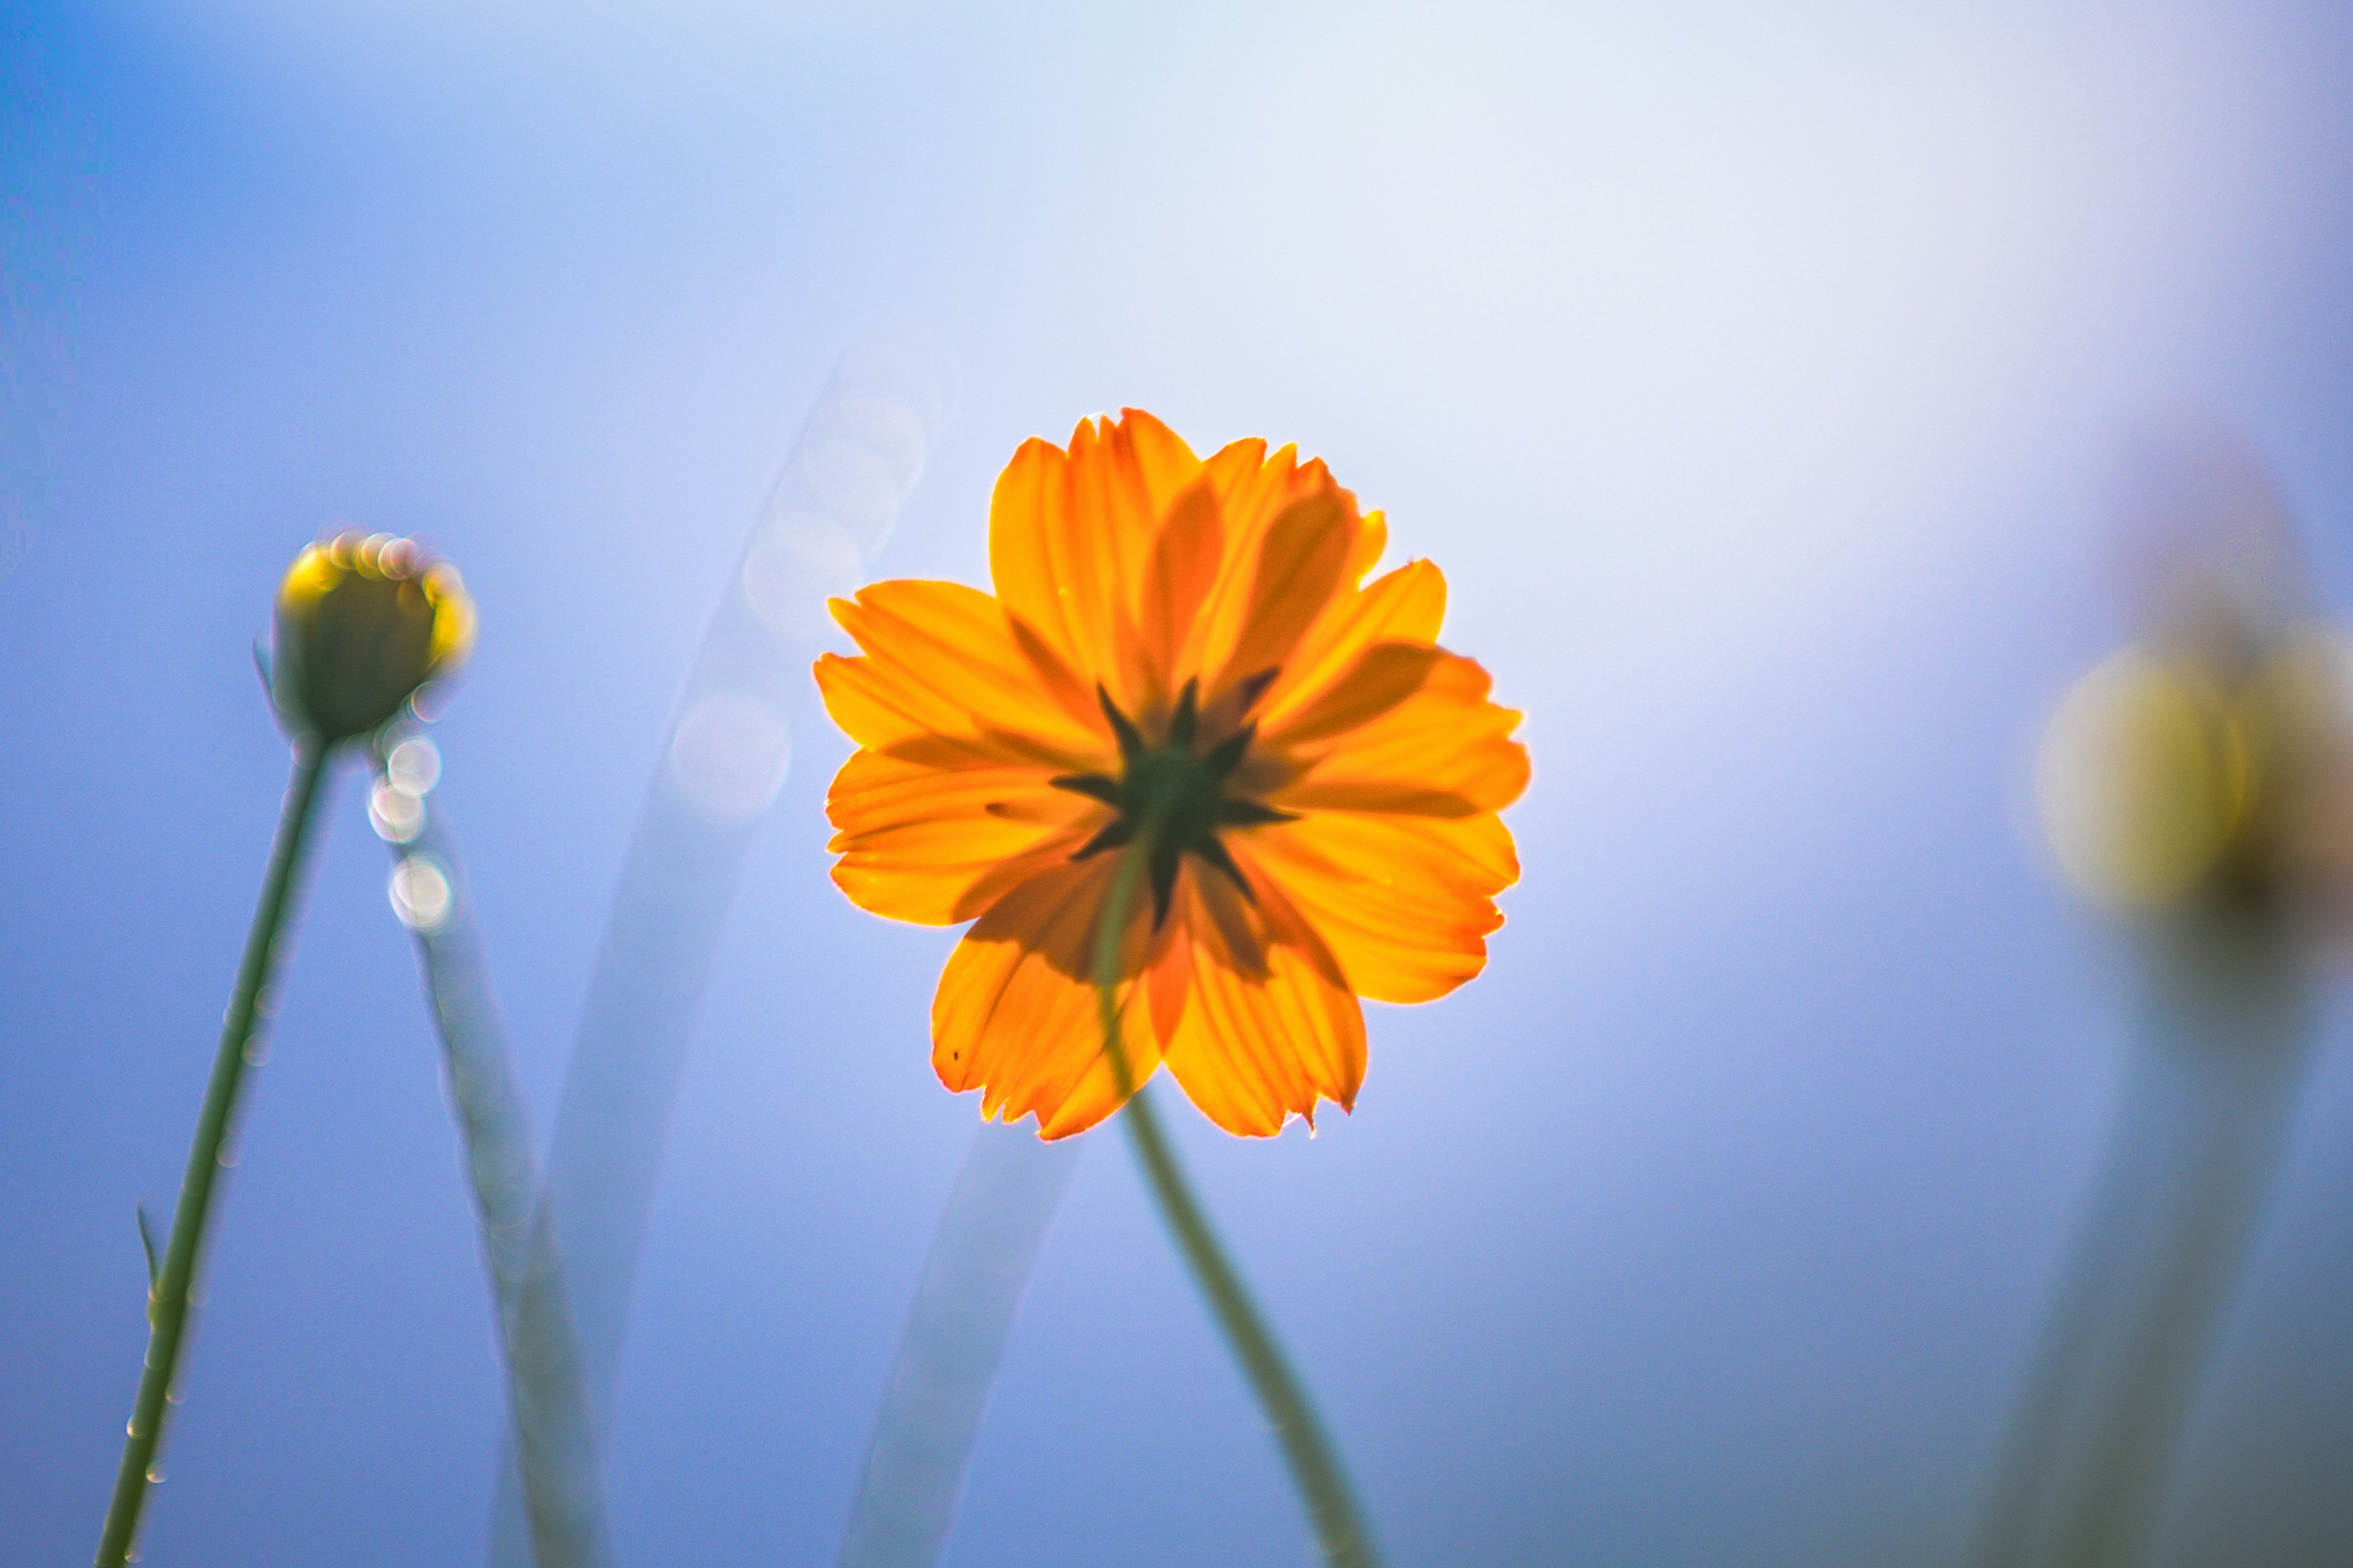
{"points": [[2202, 778], [2171, 782], [363, 622], [2143, 779]]}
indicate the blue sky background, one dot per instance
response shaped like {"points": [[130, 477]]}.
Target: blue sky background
{"points": [[1757, 382]]}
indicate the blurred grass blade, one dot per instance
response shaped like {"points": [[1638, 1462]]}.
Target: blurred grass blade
{"points": [[974, 1280], [554, 1446], [2210, 1086], [725, 755]]}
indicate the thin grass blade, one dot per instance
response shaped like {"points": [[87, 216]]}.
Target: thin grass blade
{"points": [[721, 762], [973, 1284]]}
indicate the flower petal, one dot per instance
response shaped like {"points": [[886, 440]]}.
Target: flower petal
{"points": [[1371, 538], [1070, 533], [1027, 530], [1186, 561], [944, 660], [1299, 567], [1384, 675], [1404, 902], [1404, 605], [935, 844], [1254, 490], [1445, 751], [1269, 1026], [1015, 1016]]}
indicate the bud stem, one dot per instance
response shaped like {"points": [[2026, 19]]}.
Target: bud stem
{"points": [[169, 1300], [547, 1401]]}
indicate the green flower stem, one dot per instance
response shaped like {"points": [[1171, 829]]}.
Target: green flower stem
{"points": [[1341, 1534], [553, 1437], [167, 1301], [2208, 1097]]}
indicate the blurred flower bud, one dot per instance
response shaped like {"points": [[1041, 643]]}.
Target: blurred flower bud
{"points": [[2207, 770], [363, 622], [2143, 780]]}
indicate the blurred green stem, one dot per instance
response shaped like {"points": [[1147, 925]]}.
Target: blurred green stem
{"points": [[167, 1302], [2209, 1096], [1340, 1535], [981, 1260], [554, 1439]]}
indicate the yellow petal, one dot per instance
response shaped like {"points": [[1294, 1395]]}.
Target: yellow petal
{"points": [[1371, 538], [1384, 675], [1253, 488], [1186, 561], [1299, 568]]}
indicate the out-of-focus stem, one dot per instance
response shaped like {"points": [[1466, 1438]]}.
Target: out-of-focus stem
{"points": [[241, 1033], [554, 1439], [2209, 1085], [723, 757], [1342, 1536], [973, 1283]]}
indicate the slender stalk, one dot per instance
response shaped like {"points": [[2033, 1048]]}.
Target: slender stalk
{"points": [[2210, 1086], [978, 1270], [554, 1439], [167, 1301], [1342, 1536], [723, 756]]}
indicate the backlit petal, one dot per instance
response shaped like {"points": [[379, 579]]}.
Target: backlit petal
{"points": [[1404, 605], [1028, 527], [1014, 1014], [944, 660], [1404, 902], [1268, 1026], [1254, 490], [1371, 538], [1186, 559], [1070, 535], [1445, 751], [1384, 675], [1299, 567], [937, 846]]}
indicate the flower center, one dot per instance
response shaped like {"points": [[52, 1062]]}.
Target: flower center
{"points": [[1172, 797]]}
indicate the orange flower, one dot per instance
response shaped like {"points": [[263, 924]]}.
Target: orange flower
{"points": [[1184, 650]]}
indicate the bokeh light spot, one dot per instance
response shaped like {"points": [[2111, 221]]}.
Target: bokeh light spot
{"points": [[729, 756], [420, 893], [413, 765], [789, 577]]}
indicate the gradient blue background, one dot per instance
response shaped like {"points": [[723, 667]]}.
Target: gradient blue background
{"points": [[1756, 380]]}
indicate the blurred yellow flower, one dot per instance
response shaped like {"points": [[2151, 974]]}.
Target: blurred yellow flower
{"points": [[2216, 773], [363, 621], [1186, 651]]}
